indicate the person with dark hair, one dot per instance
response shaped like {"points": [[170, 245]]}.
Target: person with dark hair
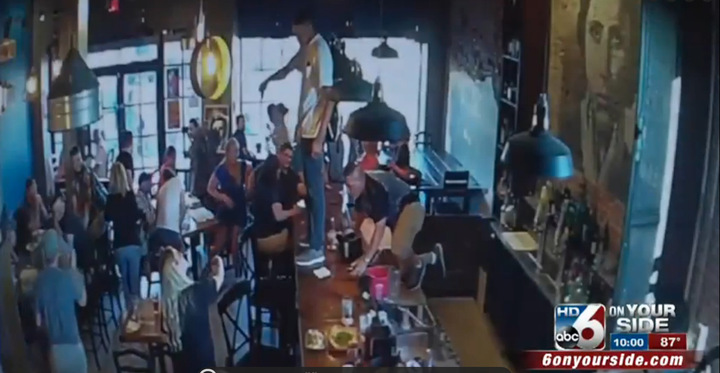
{"points": [[34, 205], [390, 202], [314, 61], [144, 202], [125, 157], [169, 163], [227, 186], [239, 136], [279, 131], [80, 186], [170, 214]]}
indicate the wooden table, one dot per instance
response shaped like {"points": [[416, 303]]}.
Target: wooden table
{"points": [[150, 333]]}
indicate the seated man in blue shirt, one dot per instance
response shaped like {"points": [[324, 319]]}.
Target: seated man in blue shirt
{"points": [[389, 202], [58, 289]]}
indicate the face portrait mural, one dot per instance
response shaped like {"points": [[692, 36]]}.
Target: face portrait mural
{"points": [[609, 39]]}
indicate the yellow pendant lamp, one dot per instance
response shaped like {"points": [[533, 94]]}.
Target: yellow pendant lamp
{"points": [[210, 67]]}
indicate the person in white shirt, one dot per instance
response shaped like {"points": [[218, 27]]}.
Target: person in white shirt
{"points": [[101, 154], [314, 61], [170, 214]]}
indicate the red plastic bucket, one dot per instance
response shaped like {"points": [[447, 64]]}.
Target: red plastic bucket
{"points": [[380, 276]]}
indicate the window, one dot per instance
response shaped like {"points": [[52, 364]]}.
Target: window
{"points": [[404, 81], [122, 56], [181, 102], [140, 92]]}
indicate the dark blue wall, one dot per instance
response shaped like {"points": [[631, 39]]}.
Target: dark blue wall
{"points": [[15, 124]]}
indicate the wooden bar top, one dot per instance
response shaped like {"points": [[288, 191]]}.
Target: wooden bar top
{"points": [[320, 300]]}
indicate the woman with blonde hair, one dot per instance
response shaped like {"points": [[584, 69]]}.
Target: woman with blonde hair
{"points": [[227, 186], [186, 311], [122, 210]]}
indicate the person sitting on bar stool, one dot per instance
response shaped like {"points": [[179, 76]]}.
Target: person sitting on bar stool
{"points": [[389, 202], [274, 204], [186, 311]]}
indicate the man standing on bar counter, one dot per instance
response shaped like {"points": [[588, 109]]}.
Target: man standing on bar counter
{"points": [[389, 202], [314, 61]]}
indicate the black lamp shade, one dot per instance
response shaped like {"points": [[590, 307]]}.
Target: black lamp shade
{"points": [[384, 51], [538, 153], [377, 122]]}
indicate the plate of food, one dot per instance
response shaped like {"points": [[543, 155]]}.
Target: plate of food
{"points": [[314, 340], [342, 337]]}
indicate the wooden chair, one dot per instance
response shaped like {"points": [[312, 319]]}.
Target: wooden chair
{"points": [[236, 302], [125, 361]]}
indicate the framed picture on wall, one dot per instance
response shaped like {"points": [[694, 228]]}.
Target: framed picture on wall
{"points": [[172, 82], [173, 114]]}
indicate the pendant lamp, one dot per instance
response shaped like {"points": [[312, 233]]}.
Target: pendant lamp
{"points": [[384, 51], [537, 153], [377, 122], [74, 96]]}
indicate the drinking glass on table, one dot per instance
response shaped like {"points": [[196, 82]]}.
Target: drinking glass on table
{"points": [[347, 305]]}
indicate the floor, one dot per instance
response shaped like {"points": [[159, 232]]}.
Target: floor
{"points": [[470, 332]]}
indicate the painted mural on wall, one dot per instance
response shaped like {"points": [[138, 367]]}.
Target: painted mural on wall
{"points": [[594, 69]]}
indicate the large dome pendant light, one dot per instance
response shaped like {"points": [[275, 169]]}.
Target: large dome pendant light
{"points": [[74, 95], [537, 153], [384, 50], [377, 122]]}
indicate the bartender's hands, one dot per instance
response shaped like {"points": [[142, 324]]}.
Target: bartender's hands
{"points": [[358, 267]]}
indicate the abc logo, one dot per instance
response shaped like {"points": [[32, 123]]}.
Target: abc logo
{"points": [[567, 338], [580, 326]]}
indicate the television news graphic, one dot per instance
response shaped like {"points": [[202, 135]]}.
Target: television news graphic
{"points": [[629, 342], [667, 341], [642, 318], [580, 326], [609, 360]]}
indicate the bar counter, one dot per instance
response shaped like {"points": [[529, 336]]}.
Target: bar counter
{"points": [[320, 305]]}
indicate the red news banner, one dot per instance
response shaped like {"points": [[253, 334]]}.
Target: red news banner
{"points": [[583, 360]]}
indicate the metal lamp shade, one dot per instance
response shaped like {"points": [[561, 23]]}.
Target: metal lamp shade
{"points": [[384, 51], [74, 96], [538, 153], [377, 122]]}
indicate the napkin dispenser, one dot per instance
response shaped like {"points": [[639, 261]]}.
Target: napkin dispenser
{"points": [[350, 246]]}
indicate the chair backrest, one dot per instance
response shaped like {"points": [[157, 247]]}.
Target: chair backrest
{"points": [[456, 180], [230, 306], [423, 139], [126, 361]]}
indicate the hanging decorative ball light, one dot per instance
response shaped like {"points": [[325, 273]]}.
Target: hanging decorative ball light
{"points": [[210, 67]]}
